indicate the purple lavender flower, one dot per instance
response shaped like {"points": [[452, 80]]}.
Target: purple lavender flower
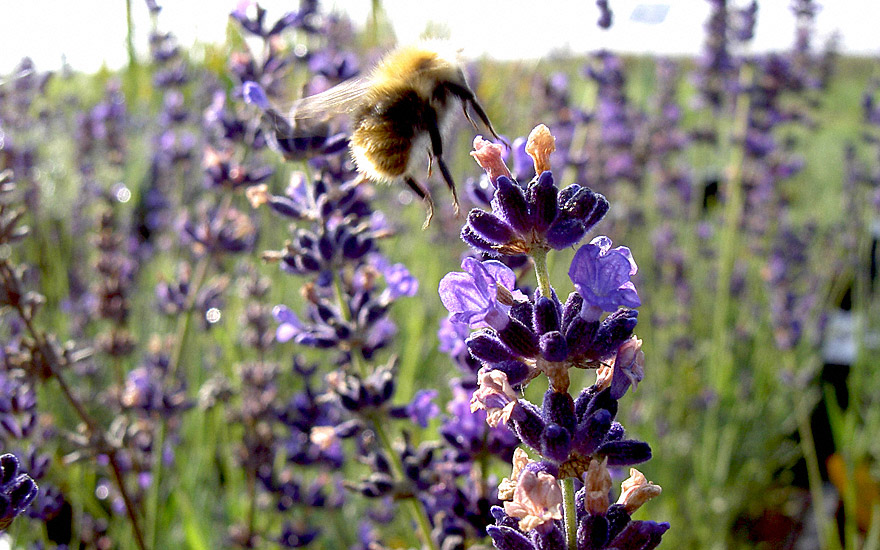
{"points": [[602, 275], [253, 94], [422, 408], [398, 278], [17, 490], [472, 297], [452, 338], [537, 217]]}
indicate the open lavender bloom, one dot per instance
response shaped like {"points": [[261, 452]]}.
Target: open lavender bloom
{"points": [[481, 296], [602, 275]]}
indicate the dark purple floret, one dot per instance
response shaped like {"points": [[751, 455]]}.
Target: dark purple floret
{"points": [[627, 452], [17, 490], [508, 538], [510, 204], [486, 346], [640, 535], [555, 442], [592, 532], [591, 432], [528, 424], [519, 338], [542, 202], [546, 315], [565, 232], [489, 227], [553, 346], [591, 401], [558, 407], [516, 371], [613, 331]]}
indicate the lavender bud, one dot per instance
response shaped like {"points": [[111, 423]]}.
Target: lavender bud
{"points": [[285, 206], [625, 453], [615, 432], [519, 338], [601, 400], [553, 346], [571, 309], [644, 535], [508, 538], [489, 227], [591, 432], [522, 312], [618, 519], [511, 204], [565, 232], [592, 533], [475, 241], [485, 346], [542, 202], [555, 443], [546, 315], [580, 335], [516, 371], [614, 330], [598, 212], [558, 407], [577, 201], [528, 424]]}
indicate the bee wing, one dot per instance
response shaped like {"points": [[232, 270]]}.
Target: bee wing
{"points": [[338, 100]]}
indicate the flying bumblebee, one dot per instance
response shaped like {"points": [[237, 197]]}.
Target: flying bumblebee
{"points": [[401, 108]]}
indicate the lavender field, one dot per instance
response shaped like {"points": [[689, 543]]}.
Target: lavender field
{"points": [[653, 322]]}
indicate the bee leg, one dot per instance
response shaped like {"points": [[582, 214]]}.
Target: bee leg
{"points": [[437, 152], [467, 97], [467, 115], [430, 163], [482, 114], [423, 194]]}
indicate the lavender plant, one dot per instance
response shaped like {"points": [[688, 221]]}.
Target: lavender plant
{"points": [[575, 440]]}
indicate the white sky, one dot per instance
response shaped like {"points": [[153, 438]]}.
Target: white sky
{"points": [[89, 33]]}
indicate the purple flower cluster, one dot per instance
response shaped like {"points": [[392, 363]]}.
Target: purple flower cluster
{"points": [[539, 216], [520, 337]]}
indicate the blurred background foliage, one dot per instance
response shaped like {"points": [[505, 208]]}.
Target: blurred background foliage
{"points": [[756, 241]]}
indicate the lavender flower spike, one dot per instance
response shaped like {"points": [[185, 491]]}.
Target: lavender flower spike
{"points": [[601, 275], [482, 295]]}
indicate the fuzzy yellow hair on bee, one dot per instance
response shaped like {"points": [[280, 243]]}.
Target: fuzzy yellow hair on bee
{"points": [[399, 109]]}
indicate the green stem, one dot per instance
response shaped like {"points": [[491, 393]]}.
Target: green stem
{"points": [[539, 257], [722, 356], [569, 512], [413, 503], [129, 37], [355, 351]]}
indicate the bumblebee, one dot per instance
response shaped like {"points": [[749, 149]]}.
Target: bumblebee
{"points": [[400, 109]]}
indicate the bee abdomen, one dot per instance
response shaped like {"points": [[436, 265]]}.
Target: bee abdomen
{"points": [[384, 133]]}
